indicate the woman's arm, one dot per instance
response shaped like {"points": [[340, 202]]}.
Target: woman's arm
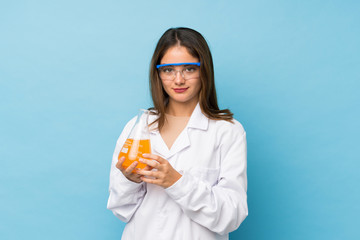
{"points": [[222, 207], [125, 196]]}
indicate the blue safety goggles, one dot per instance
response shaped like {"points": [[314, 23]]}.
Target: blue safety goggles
{"points": [[177, 64]]}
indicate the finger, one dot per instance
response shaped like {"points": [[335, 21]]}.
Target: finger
{"points": [[148, 173], [150, 180], [151, 163], [131, 168], [154, 157], [148, 168], [120, 162]]}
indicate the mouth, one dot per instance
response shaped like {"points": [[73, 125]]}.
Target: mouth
{"points": [[180, 90]]}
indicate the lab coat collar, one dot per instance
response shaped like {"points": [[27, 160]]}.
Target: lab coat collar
{"points": [[197, 121]]}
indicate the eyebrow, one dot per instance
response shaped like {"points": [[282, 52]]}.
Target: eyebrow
{"points": [[177, 64]]}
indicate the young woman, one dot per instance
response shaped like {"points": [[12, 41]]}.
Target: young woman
{"points": [[195, 183]]}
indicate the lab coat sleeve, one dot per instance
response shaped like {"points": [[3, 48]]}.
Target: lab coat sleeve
{"points": [[124, 196], [220, 207]]}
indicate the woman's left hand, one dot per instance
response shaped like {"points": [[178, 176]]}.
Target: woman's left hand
{"points": [[165, 176]]}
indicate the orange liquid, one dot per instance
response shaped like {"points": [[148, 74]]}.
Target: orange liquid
{"points": [[133, 150]]}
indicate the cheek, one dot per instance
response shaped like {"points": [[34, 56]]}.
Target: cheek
{"points": [[165, 87], [198, 86]]}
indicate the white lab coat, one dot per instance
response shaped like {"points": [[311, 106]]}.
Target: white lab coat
{"points": [[206, 203]]}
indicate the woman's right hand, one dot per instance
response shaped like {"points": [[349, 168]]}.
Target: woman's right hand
{"points": [[129, 172]]}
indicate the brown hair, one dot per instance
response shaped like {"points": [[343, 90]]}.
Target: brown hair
{"points": [[197, 47]]}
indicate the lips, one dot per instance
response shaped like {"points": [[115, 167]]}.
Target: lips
{"points": [[180, 90]]}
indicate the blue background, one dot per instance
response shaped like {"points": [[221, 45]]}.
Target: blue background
{"points": [[72, 73]]}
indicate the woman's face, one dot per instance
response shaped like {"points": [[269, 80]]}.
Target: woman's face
{"points": [[179, 89]]}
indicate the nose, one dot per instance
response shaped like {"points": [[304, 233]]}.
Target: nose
{"points": [[179, 78]]}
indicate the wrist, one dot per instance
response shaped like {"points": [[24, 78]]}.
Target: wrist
{"points": [[175, 179]]}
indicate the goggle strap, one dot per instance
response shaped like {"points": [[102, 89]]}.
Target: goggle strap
{"points": [[177, 64]]}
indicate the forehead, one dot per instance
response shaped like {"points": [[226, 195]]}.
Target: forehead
{"points": [[177, 54]]}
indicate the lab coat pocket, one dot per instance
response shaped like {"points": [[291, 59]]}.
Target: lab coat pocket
{"points": [[208, 175]]}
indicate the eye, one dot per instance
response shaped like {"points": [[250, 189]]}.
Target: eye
{"points": [[167, 70], [190, 69]]}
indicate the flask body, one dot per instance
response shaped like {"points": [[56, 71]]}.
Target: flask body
{"points": [[138, 141]]}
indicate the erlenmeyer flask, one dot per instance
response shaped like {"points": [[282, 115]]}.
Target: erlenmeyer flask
{"points": [[138, 141]]}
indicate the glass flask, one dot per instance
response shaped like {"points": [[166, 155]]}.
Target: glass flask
{"points": [[138, 141]]}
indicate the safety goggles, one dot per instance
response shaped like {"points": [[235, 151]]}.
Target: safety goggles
{"points": [[168, 72]]}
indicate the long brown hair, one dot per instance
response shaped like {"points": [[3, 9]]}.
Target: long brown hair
{"points": [[197, 47]]}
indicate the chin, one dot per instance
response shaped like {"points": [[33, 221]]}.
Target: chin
{"points": [[183, 100]]}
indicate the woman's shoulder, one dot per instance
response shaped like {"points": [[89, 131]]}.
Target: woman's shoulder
{"points": [[152, 117], [128, 125], [233, 126], [153, 114], [131, 122]]}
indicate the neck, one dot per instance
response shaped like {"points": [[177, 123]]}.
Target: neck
{"points": [[181, 109]]}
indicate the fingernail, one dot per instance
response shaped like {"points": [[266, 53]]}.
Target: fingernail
{"points": [[145, 155]]}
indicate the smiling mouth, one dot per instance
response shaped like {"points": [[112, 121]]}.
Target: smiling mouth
{"points": [[180, 90]]}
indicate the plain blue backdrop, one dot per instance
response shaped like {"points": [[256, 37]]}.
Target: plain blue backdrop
{"points": [[72, 73]]}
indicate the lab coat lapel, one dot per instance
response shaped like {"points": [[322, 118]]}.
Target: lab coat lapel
{"points": [[157, 143], [197, 121], [181, 142]]}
